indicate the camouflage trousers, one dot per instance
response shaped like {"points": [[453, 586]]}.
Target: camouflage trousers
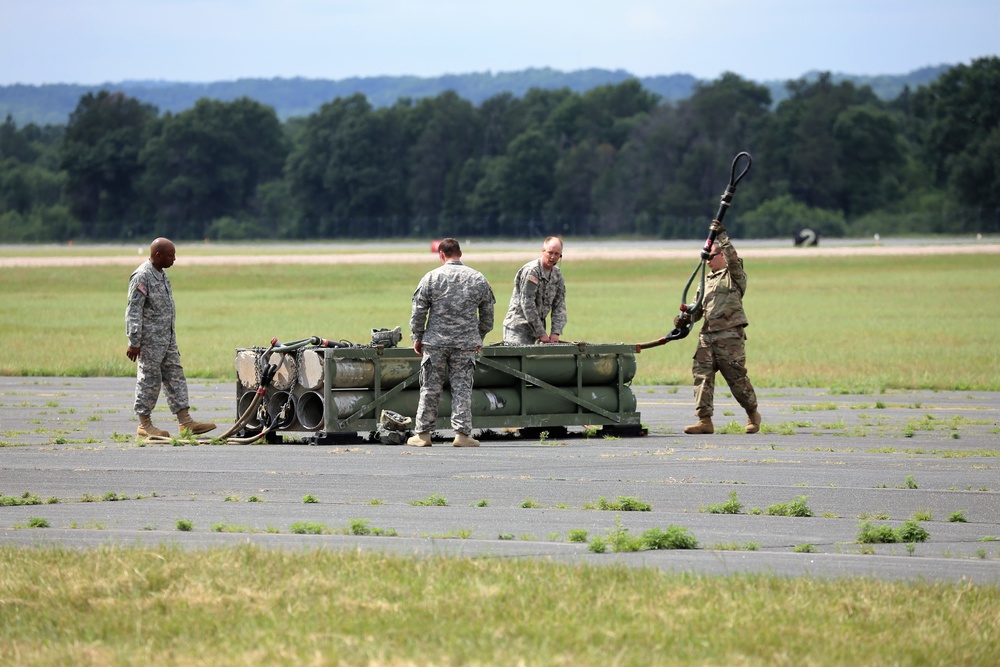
{"points": [[160, 366], [519, 335], [457, 367], [722, 351]]}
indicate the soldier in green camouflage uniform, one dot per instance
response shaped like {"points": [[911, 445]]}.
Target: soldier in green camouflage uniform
{"points": [[452, 313], [721, 344], [539, 290], [149, 325]]}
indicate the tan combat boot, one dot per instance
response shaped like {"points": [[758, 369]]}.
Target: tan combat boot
{"points": [[463, 440], [753, 422], [186, 422], [146, 428], [420, 440], [703, 427]]}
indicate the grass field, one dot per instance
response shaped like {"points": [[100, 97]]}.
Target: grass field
{"points": [[254, 606], [850, 324]]}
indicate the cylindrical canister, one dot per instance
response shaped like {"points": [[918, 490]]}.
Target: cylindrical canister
{"points": [[494, 401], [275, 401], [309, 410]]}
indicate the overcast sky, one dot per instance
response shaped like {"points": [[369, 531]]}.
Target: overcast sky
{"points": [[100, 41]]}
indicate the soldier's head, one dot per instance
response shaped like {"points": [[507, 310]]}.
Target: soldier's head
{"points": [[551, 252], [716, 260], [162, 253], [449, 249]]}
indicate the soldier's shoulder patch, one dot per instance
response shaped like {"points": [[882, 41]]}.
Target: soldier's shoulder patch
{"points": [[142, 288], [533, 278]]}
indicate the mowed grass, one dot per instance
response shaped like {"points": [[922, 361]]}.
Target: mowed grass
{"points": [[862, 324], [248, 605]]}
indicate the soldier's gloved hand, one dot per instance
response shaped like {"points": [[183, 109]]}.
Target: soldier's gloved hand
{"points": [[717, 227], [683, 320]]}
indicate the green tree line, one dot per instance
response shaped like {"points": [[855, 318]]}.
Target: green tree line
{"points": [[613, 160]]}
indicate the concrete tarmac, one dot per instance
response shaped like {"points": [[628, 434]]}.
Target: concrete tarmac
{"points": [[70, 444]]}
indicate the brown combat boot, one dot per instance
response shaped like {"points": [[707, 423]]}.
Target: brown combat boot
{"points": [[186, 422], [463, 440], [146, 428], [420, 440], [753, 422], [703, 427]]}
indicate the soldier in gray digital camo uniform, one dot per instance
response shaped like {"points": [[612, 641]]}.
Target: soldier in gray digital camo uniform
{"points": [[539, 290], [721, 344], [152, 341], [452, 313]]}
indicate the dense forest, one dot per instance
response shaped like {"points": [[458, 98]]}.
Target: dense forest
{"points": [[616, 159]]}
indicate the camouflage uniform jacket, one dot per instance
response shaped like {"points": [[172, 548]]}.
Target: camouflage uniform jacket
{"points": [[452, 307], [722, 306], [150, 314], [535, 296]]}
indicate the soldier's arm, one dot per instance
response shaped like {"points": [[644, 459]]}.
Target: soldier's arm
{"points": [[559, 308], [733, 260], [486, 312], [418, 316], [133, 312], [526, 297]]}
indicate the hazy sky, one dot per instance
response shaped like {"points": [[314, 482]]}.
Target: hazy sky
{"points": [[99, 41]]}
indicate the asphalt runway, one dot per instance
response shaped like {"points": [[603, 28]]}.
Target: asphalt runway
{"points": [[883, 458]]}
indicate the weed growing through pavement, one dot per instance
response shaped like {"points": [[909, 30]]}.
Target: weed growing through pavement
{"points": [[529, 504], [957, 517], [185, 525], [577, 535], [309, 528], [361, 527], [731, 428], [622, 504], [231, 528], [598, 545], [797, 507], [814, 408], [309, 499], [620, 540], [27, 498], [731, 506], [735, 546], [433, 500], [804, 549], [910, 531]]}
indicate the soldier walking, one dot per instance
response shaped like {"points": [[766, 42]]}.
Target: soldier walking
{"points": [[452, 313], [152, 341]]}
